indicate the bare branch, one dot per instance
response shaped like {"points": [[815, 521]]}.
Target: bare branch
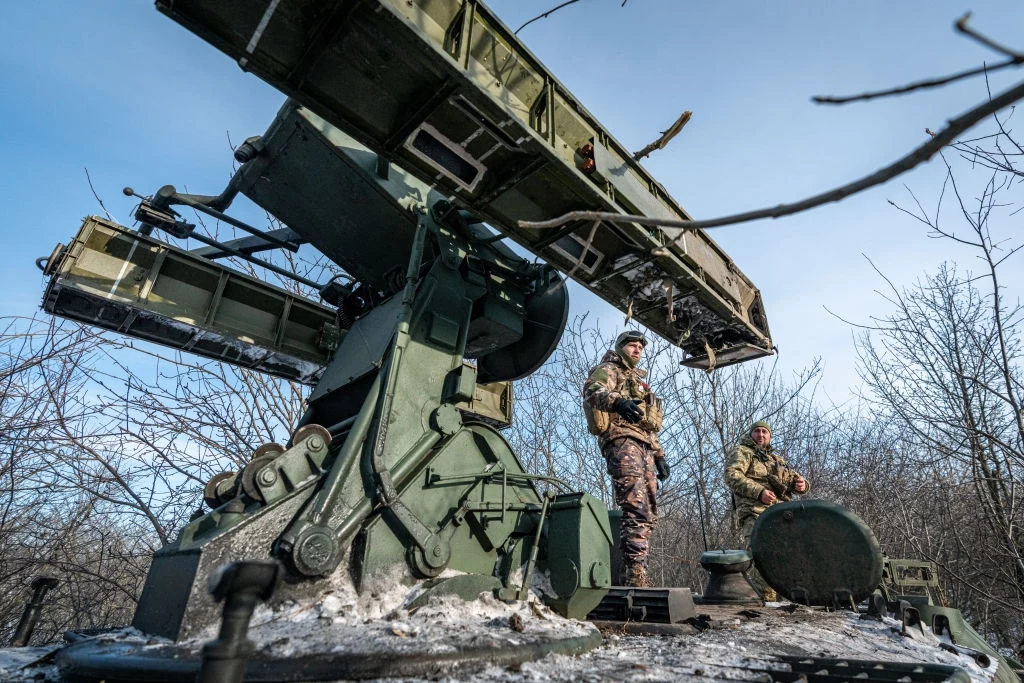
{"points": [[666, 135], [93, 190], [900, 166], [547, 14], [1016, 58], [919, 85], [961, 25]]}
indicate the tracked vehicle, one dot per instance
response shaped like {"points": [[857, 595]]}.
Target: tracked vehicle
{"points": [[421, 146]]}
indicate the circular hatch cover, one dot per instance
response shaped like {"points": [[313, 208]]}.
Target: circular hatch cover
{"points": [[816, 553]]}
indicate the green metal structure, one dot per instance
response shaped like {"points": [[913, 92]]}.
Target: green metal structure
{"points": [[121, 280], [398, 463], [411, 484], [444, 88], [419, 135], [815, 552], [914, 584], [125, 281]]}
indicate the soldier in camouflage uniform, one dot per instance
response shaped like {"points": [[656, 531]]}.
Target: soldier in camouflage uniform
{"points": [[630, 446], [758, 477]]}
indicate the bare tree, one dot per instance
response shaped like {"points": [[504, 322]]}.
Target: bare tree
{"points": [[946, 364], [108, 446], [705, 415], [549, 431]]}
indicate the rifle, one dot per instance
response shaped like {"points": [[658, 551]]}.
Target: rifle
{"points": [[778, 477]]}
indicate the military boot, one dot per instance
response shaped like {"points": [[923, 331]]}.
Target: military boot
{"points": [[636, 576]]}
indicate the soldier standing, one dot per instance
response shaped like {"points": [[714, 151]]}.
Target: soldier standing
{"points": [[626, 416], [758, 476]]}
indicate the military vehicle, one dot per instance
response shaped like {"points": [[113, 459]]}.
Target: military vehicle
{"points": [[419, 136]]}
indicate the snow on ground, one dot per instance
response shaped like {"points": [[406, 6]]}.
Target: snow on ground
{"points": [[379, 622], [738, 645], [741, 644]]}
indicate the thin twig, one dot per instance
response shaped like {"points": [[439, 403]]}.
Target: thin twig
{"points": [[666, 135], [93, 189], [961, 25], [546, 14], [931, 83], [552, 11], [1016, 58], [902, 165]]}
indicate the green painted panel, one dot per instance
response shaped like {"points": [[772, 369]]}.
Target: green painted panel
{"points": [[121, 280], [444, 88]]}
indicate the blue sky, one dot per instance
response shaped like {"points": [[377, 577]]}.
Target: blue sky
{"points": [[115, 87]]}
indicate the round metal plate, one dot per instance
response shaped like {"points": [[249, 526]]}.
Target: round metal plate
{"points": [[447, 419], [316, 551], [814, 552], [724, 557]]}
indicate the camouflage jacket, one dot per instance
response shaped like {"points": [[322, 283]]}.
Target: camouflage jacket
{"points": [[749, 470], [608, 381]]}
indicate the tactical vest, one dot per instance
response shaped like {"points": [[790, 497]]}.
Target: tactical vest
{"points": [[600, 421]]}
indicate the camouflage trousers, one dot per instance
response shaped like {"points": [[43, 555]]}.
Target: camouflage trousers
{"points": [[635, 486], [745, 520]]}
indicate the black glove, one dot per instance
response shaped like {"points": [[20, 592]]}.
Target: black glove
{"points": [[663, 470], [629, 408]]}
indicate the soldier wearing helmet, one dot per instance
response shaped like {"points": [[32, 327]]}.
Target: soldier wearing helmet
{"points": [[629, 418], [758, 476]]}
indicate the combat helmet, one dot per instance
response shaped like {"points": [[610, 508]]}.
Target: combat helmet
{"points": [[630, 336], [625, 338]]}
